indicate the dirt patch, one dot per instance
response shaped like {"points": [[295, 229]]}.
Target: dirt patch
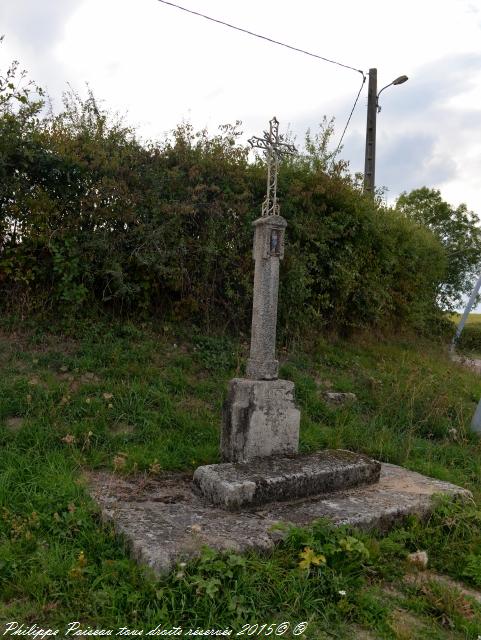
{"points": [[198, 376], [14, 424], [22, 341], [75, 381], [470, 363], [166, 488], [88, 377], [323, 383], [405, 625], [35, 381], [421, 578], [392, 591], [73, 384], [21, 366], [13, 340], [194, 404], [358, 633], [122, 429]]}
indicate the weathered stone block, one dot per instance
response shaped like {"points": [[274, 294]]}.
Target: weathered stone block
{"points": [[235, 485], [336, 397], [259, 419], [264, 369]]}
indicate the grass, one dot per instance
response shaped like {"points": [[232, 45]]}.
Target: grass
{"points": [[138, 399]]}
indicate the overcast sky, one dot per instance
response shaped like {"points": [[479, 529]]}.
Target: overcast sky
{"points": [[159, 66]]}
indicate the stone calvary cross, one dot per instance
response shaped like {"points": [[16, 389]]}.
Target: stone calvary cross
{"points": [[259, 440], [260, 418], [268, 251]]}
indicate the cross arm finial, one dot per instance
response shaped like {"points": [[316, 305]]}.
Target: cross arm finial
{"points": [[275, 148], [272, 142]]}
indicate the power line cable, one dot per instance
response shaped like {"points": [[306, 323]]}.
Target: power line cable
{"points": [[349, 119], [288, 46], [257, 35]]}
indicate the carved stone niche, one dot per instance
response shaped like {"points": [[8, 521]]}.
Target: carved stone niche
{"points": [[269, 237]]}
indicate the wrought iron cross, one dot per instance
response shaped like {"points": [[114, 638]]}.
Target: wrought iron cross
{"points": [[275, 148]]}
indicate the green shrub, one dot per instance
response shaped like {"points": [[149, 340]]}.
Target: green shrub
{"points": [[92, 218], [470, 339]]}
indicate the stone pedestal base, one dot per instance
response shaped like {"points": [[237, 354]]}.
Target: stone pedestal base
{"points": [[259, 419], [264, 480], [167, 522]]}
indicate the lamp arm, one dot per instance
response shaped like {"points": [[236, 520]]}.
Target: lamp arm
{"points": [[377, 97]]}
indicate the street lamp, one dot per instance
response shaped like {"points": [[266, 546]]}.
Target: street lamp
{"points": [[399, 80], [373, 109]]}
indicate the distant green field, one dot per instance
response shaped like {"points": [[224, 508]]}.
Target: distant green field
{"points": [[473, 318]]}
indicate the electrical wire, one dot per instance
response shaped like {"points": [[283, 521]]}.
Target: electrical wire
{"points": [[348, 120], [288, 46], [257, 35]]}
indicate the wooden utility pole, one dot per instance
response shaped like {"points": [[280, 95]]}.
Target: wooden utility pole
{"points": [[370, 159]]}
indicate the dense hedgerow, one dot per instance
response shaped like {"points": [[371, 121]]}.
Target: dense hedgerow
{"points": [[92, 218], [470, 339]]}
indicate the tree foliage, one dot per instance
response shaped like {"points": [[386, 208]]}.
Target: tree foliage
{"points": [[459, 233]]}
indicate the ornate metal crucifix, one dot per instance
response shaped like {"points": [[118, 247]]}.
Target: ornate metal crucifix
{"points": [[275, 148]]}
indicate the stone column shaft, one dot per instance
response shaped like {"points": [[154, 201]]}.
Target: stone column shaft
{"points": [[268, 251]]}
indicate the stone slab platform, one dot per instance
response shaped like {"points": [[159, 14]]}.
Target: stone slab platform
{"points": [[164, 521], [239, 485]]}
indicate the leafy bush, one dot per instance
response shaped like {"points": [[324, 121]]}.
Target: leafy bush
{"points": [[470, 339], [92, 218]]}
